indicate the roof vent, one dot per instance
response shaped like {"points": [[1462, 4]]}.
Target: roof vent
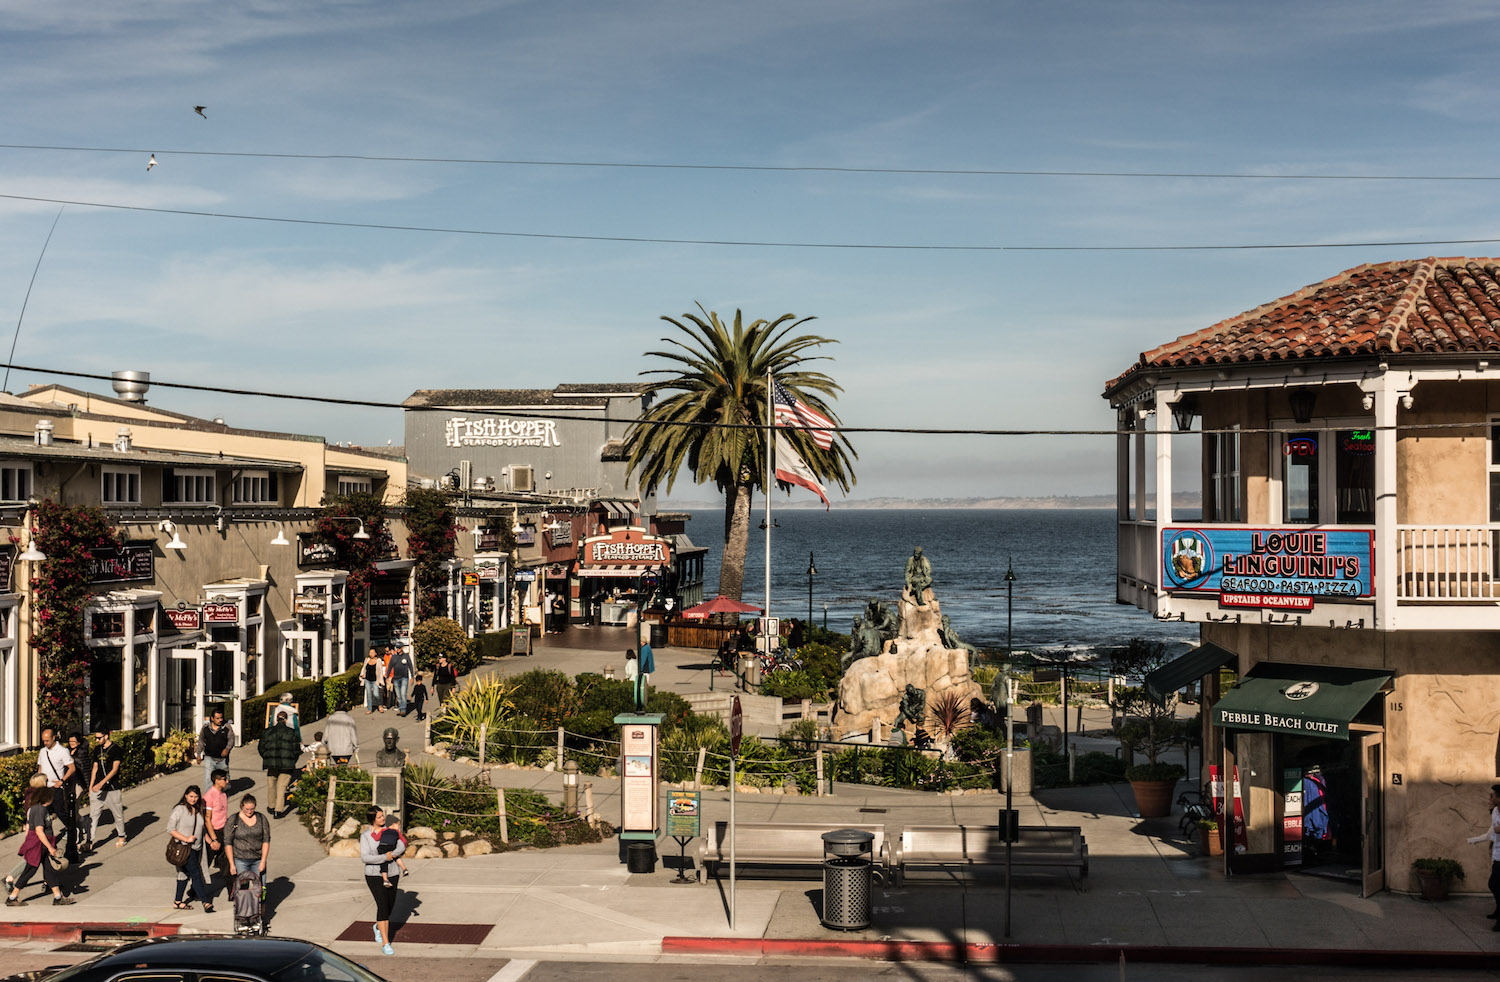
{"points": [[43, 436], [131, 386], [122, 439]]}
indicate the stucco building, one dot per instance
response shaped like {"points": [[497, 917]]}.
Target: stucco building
{"points": [[1346, 562]]}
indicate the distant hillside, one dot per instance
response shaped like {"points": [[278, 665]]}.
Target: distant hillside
{"points": [[1181, 501]]}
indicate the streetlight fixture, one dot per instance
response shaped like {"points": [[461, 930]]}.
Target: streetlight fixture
{"points": [[168, 526], [811, 572], [1007, 827], [31, 554], [281, 539], [1010, 579]]}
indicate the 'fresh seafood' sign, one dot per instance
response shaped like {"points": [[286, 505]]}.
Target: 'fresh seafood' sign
{"points": [[1269, 567]]}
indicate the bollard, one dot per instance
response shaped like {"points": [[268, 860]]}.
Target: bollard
{"points": [[560, 732], [820, 772], [570, 786], [500, 813], [333, 783], [698, 771], [588, 801], [482, 728]]}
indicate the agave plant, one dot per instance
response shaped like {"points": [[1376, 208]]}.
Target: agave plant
{"points": [[948, 714]]}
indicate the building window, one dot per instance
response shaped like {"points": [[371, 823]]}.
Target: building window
{"points": [[15, 482], [121, 485], [1225, 502], [254, 488], [188, 487], [1300, 478], [1329, 476], [1354, 477], [355, 485]]}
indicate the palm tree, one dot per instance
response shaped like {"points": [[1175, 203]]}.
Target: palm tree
{"points": [[713, 417]]}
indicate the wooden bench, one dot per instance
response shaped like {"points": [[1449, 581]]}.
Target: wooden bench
{"points": [[791, 847], [960, 850]]}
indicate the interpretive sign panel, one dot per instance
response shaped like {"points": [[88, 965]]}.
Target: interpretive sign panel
{"points": [[685, 813], [1285, 568], [638, 792]]}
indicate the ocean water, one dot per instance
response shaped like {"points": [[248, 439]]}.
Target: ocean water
{"points": [[1064, 561]]}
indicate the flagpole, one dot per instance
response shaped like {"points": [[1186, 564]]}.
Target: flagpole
{"points": [[770, 484]]}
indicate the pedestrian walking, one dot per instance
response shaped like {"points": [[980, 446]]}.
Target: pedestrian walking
{"points": [[78, 789], [371, 676], [279, 750], [387, 692], [1492, 838], [384, 893], [341, 737], [104, 787], [215, 741], [636, 680], [445, 677], [39, 849], [37, 781], [56, 762], [285, 708], [216, 814], [186, 824], [418, 698], [247, 840], [401, 671]]}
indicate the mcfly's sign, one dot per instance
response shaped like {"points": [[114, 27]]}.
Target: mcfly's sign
{"points": [[627, 547], [1287, 568]]}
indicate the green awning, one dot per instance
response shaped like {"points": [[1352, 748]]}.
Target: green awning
{"points": [[1190, 667], [1304, 700]]}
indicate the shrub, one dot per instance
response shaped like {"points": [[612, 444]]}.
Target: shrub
{"points": [[342, 691], [138, 758], [1447, 870], [546, 696], [306, 693], [441, 636], [492, 644], [175, 750], [792, 683], [15, 772], [352, 795], [484, 705], [801, 737]]}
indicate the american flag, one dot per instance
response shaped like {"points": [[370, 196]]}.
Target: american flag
{"points": [[790, 411]]}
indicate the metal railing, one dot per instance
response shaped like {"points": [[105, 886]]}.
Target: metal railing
{"points": [[1447, 562]]}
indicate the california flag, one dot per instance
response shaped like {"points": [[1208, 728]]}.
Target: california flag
{"points": [[791, 468]]}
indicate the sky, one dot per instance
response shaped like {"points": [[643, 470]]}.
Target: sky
{"points": [[932, 337]]}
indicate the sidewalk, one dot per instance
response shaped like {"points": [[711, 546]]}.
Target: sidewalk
{"points": [[1146, 885]]}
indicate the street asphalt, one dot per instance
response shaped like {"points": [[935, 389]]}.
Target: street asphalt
{"points": [[1147, 886]]}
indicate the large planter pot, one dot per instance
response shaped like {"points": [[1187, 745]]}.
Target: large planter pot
{"points": [[1210, 843], [1153, 799], [1432, 886]]}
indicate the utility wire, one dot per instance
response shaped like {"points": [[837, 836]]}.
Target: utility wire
{"points": [[27, 299], [769, 168], [689, 424], [752, 243]]}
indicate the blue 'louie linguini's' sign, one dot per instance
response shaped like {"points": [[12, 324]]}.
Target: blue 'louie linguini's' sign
{"points": [[1267, 567]]}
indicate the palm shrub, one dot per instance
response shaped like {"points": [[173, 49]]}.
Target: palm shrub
{"points": [[948, 714]]}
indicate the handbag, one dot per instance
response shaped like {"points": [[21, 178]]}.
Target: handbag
{"points": [[178, 851]]}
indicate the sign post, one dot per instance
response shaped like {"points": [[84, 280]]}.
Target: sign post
{"points": [[684, 823], [736, 729]]}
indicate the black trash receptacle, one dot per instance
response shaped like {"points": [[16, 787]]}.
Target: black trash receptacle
{"points": [[658, 635], [640, 857], [847, 868]]}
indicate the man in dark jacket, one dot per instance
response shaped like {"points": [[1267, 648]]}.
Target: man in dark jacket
{"points": [[279, 751]]}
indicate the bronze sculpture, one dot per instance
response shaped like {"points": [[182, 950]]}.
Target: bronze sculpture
{"points": [[918, 576]]}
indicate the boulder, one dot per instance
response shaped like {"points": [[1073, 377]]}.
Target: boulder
{"points": [[429, 851], [420, 832], [479, 847], [450, 850], [349, 829], [344, 849], [448, 836]]}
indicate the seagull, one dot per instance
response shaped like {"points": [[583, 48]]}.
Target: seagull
{"points": [[200, 112], [152, 162]]}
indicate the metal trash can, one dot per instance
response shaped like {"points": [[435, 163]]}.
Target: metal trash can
{"points": [[640, 857], [658, 635], [847, 866]]}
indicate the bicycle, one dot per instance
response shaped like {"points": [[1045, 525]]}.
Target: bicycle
{"points": [[1197, 806]]}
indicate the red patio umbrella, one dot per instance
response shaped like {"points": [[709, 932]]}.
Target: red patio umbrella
{"points": [[719, 605]]}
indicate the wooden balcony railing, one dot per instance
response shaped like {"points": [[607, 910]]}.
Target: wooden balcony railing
{"points": [[1447, 563]]}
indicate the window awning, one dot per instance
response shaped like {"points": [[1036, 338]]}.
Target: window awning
{"points": [[1190, 667], [1303, 700], [633, 570]]}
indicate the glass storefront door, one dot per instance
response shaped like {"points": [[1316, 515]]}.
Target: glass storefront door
{"points": [[183, 706], [1372, 796]]}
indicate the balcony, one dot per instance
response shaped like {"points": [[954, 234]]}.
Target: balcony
{"points": [[1447, 563]]}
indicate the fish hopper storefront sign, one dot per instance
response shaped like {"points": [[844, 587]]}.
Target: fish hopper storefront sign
{"points": [[1278, 568], [1302, 700]]}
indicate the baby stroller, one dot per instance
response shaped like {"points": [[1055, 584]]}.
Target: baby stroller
{"points": [[246, 895]]}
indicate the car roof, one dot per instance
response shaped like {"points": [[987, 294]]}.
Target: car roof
{"points": [[259, 955]]}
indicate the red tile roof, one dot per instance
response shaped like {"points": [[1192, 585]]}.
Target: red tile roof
{"points": [[1408, 307]]}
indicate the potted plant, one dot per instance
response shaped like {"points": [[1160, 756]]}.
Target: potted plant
{"points": [[1435, 876], [1149, 727], [1209, 842]]}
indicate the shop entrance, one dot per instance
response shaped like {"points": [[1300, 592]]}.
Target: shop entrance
{"points": [[300, 654], [1322, 828], [183, 705]]}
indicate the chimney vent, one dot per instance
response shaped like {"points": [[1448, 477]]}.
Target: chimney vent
{"points": [[131, 386], [122, 439], [44, 433]]}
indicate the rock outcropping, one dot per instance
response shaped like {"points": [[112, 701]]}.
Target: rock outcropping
{"points": [[871, 687]]}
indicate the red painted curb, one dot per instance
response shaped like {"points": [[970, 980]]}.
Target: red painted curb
{"points": [[946, 951], [73, 930]]}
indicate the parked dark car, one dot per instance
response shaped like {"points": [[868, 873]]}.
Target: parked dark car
{"points": [[210, 958]]}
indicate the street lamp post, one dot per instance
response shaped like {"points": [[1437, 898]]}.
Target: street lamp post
{"points": [[1010, 743], [811, 572]]}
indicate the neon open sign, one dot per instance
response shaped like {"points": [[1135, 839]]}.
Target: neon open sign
{"points": [[1300, 446]]}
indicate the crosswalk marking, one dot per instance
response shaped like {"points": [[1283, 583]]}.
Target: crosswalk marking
{"points": [[514, 970]]}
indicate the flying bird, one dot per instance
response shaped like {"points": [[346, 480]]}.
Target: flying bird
{"points": [[200, 112], [152, 162]]}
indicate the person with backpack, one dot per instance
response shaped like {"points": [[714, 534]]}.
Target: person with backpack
{"points": [[279, 750], [215, 741]]}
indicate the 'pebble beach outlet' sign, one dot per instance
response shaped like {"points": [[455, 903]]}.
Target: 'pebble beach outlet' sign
{"points": [[501, 431]]}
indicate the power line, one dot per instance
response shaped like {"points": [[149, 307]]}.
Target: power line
{"points": [[768, 168], [752, 243], [683, 424]]}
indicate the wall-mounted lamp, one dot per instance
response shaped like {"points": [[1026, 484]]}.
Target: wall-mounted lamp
{"points": [[1183, 411], [281, 539], [176, 543], [1368, 401], [361, 534], [32, 554], [1302, 401]]}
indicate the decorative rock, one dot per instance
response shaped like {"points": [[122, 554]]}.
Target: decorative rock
{"points": [[345, 849], [450, 850], [478, 847], [448, 836], [349, 829], [420, 832], [429, 852]]}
